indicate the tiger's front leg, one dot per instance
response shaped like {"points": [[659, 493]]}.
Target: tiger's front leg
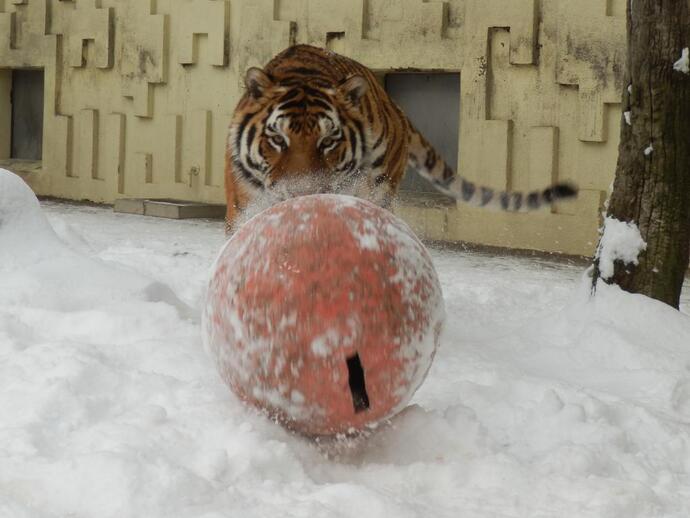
{"points": [[236, 198]]}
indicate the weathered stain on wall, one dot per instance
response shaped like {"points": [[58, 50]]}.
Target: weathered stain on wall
{"points": [[138, 94]]}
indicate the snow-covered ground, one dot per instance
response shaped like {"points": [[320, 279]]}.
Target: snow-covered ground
{"points": [[540, 402]]}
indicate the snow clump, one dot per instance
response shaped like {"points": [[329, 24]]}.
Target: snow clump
{"points": [[683, 64], [620, 241]]}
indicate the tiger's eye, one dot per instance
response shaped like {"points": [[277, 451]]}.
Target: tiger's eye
{"points": [[278, 140], [327, 142]]}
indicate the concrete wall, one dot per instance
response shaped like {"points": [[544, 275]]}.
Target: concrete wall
{"points": [[138, 93]]}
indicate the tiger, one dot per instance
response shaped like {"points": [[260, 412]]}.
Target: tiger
{"points": [[312, 113]]}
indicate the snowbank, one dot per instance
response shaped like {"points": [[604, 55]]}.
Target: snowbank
{"points": [[25, 235], [540, 403], [37, 268]]}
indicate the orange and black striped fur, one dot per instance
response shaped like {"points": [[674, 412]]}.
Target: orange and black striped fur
{"points": [[311, 112]]}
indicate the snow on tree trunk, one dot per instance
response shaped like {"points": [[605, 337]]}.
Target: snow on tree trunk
{"points": [[652, 186]]}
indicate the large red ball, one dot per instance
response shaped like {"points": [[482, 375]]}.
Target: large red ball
{"points": [[326, 311]]}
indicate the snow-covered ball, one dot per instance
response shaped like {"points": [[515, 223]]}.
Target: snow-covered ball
{"points": [[325, 311]]}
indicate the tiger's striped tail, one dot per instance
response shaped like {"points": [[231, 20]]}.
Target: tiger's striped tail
{"points": [[423, 158]]}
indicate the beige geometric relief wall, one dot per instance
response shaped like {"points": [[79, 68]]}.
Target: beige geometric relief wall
{"points": [[138, 93], [142, 53], [587, 59], [200, 17]]}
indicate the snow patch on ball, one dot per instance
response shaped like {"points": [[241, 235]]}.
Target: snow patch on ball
{"points": [[325, 344]]}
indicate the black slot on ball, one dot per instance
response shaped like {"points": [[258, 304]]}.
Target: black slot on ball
{"points": [[358, 387]]}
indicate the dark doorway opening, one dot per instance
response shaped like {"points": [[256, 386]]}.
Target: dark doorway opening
{"points": [[27, 115], [432, 103]]}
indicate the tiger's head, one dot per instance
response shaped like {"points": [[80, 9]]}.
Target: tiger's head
{"points": [[297, 128]]}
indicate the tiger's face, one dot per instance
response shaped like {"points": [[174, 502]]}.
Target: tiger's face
{"points": [[285, 132]]}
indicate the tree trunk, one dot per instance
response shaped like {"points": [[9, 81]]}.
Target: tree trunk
{"points": [[652, 185]]}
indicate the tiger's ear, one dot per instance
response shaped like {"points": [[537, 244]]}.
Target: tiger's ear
{"points": [[354, 88], [257, 82]]}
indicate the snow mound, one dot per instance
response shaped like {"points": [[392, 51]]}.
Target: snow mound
{"points": [[25, 234], [37, 268]]}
